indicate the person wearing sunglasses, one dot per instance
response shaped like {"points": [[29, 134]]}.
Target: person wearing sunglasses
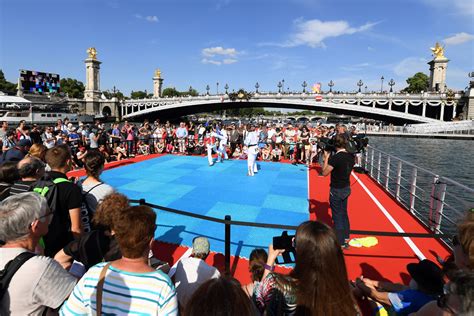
{"points": [[40, 282]]}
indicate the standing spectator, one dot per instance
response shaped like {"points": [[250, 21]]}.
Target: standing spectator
{"points": [[3, 130], [339, 166], [8, 176], [35, 135], [233, 139], [193, 271], [130, 285], [18, 152], [182, 134], [94, 190], [37, 151], [115, 135], [8, 141], [40, 282], [48, 137], [66, 222], [30, 169]]}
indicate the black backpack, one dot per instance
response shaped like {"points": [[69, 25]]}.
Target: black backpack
{"points": [[10, 269]]}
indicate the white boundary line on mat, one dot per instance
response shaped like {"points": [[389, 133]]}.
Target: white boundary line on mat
{"points": [[408, 240]]}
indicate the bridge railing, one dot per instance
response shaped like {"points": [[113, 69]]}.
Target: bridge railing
{"points": [[437, 201]]}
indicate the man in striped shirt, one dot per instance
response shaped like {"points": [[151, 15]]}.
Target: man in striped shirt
{"points": [[31, 169], [130, 285]]}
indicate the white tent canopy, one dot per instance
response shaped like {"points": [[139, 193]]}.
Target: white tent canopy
{"points": [[13, 99]]}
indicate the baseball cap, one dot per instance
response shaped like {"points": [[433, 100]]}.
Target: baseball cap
{"points": [[201, 245]]}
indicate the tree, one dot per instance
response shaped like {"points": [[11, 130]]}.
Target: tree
{"points": [[138, 95], [5, 86], [419, 82], [170, 92], [74, 88]]}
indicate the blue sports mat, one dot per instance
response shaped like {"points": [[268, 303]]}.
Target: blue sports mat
{"points": [[278, 194]]}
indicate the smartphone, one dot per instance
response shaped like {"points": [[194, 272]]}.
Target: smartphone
{"points": [[283, 242]]}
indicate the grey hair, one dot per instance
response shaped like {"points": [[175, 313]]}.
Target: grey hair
{"points": [[17, 212]]}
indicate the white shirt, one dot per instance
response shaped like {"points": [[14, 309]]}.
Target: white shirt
{"points": [[190, 274], [251, 139], [39, 282]]}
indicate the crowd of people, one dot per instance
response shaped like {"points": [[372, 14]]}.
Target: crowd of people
{"points": [[80, 248]]}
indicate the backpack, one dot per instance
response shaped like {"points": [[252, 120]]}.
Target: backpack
{"points": [[86, 211], [10, 269], [48, 188]]}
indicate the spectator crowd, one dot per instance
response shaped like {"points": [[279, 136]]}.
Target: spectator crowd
{"points": [[80, 248]]}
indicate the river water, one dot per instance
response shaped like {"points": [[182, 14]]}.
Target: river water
{"points": [[453, 159]]}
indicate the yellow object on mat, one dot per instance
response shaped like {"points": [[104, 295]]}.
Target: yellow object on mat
{"points": [[364, 242]]}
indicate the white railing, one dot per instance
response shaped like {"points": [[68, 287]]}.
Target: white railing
{"points": [[439, 202]]}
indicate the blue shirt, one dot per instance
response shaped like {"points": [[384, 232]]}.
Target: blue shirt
{"points": [[408, 301]]}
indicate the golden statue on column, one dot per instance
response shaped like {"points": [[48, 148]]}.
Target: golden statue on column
{"points": [[158, 73], [92, 52], [438, 51]]}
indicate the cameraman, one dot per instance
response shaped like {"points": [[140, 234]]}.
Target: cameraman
{"points": [[339, 165]]}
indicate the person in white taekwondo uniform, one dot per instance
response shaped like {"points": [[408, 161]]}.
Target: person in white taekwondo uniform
{"points": [[221, 134], [251, 141], [210, 141]]}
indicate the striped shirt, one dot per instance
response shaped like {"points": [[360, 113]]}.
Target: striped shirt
{"points": [[150, 293]]}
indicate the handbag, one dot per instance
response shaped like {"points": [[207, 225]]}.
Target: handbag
{"points": [[100, 287]]}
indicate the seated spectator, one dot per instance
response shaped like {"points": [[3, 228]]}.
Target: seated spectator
{"points": [[100, 244], [463, 243], [121, 152], [243, 156], [143, 148], [219, 296], [40, 282], [200, 148], [193, 271], [319, 277], [266, 152], [276, 154], [8, 175], [81, 153], [93, 189], [105, 153], [160, 146], [258, 259], [130, 285], [30, 169], [457, 297], [427, 282]]}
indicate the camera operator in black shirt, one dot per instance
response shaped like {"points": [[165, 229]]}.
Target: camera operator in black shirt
{"points": [[339, 165]]}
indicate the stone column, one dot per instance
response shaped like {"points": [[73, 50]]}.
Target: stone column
{"points": [[92, 90], [470, 102], [438, 67], [157, 84], [441, 115], [19, 91]]}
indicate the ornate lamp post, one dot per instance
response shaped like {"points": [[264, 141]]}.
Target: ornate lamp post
{"points": [[381, 84], [365, 89], [226, 87], [283, 85], [391, 83], [207, 88], [360, 84], [304, 85], [330, 84], [256, 87], [279, 85], [217, 88]]}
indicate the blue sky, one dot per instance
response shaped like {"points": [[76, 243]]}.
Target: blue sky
{"points": [[238, 42]]}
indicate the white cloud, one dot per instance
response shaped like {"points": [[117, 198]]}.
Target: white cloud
{"points": [[313, 32], [149, 18], [218, 50], [152, 18], [459, 38], [411, 65], [461, 7], [210, 61], [229, 61], [219, 55]]}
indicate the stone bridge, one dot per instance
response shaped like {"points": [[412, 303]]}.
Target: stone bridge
{"points": [[391, 107]]}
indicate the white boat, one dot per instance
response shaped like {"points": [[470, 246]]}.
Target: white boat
{"points": [[14, 117]]}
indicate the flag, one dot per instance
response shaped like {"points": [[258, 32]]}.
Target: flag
{"points": [[317, 87]]}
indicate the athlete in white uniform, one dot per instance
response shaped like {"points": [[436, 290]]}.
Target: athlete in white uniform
{"points": [[251, 141], [222, 149], [210, 141]]}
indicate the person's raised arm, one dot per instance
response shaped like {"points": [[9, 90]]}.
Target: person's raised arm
{"points": [[327, 168]]}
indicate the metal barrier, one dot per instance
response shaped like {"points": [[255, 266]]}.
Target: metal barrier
{"points": [[435, 200], [228, 222]]}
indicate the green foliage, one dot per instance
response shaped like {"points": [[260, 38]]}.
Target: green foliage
{"points": [[140, 95], [170, 92], [74, 88], [110, 94], [5, 86], [419, 82]]}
